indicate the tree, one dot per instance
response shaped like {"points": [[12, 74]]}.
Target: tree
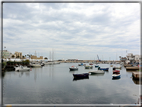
{"points": [[23, 57], [18, 56], [12, 56], [45, 58]]}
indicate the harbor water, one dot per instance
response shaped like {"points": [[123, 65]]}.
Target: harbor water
{"points": [[55, 84]]}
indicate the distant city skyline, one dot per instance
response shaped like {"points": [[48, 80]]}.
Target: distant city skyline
{"points": [[72, 30]]}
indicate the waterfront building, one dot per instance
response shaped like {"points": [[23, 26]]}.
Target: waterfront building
{"points": [[6, 54], [130, 58], [123, 59], [137, 58], [35, 57], [18, 54]]}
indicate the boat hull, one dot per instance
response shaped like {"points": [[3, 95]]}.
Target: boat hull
{"points": [[96, 66], [22, 69], [35, 65], [88, 67], [97, 72], [116, 76], [85, 75], [73, 69], [116, 72], [105, 69]]}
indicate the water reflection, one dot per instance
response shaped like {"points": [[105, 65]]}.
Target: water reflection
{"points": [[60, 81], [136, 81], [51, 70], [76, 79], [116, 78], [27, 74]]}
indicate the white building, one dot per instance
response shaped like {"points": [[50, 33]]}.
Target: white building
{"points": [[133, 58], [6, 54], [137, 58]]}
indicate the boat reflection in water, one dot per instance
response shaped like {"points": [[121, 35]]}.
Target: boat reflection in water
{"points": [[115, 78], [75, 79], [137, 81]]}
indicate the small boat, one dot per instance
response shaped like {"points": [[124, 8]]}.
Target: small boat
{"points": [[73, 68], [88, 67], [80, 64], [84, 75], [42, 64], [111, 65], [96, 66], [105, 69], [132, 68], [90, 64], [35, 65], [116, 72], [97, 72], [21, 68], [117, 67], [115, 76]]}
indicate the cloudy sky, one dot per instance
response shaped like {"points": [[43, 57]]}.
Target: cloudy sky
{"points": [[72, 30]]}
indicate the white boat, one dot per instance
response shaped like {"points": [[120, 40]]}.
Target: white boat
{"points": [[21, 68], [97, 72], [88, 67], [73, 68], [115, 75], [36, 65], [56, 62], [117, 67]]}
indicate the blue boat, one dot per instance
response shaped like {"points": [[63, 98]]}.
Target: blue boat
{"points": [[105, 69], [84, 75], [116, 76], [80, 64], [96, 66]]}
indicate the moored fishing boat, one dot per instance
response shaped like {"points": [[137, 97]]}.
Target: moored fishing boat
{"points": [[83, 75], [96, 66], [90, 63], [88, 67], [132, 68], [116, 72], [80, 64], [73, 68], [97, 72], [36, 65], [105, 69], [116, 76], [117, 67], [21, 68]]}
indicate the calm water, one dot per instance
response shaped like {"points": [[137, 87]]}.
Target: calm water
{"points": [[54, 84]]}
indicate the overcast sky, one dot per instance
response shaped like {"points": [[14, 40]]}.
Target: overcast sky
{"points": [[72, 30]]}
